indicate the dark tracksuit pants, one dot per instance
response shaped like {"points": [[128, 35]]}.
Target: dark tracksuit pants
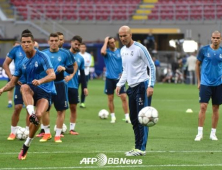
{"points": [[137, 100]]}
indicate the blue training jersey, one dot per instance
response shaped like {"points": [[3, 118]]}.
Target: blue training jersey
{"points": [[74, 83], [35, 68], [17, 54], [211, 67], [113, 62], [60, 58]]}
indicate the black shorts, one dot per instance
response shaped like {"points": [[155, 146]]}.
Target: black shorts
{"points": [[40, 94], [73, 96], [110, 86], [18, 95], [213, 92], [60, 100]]}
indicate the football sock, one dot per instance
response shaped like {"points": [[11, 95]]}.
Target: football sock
{"points": [[28, 141], [200, 130], [72, 126], [13, 129], [42, 126], [27, 128], [213, 131], [47, 129], [30, 109], [127, 116], [9, 102], [112, 114], [58, 132]]}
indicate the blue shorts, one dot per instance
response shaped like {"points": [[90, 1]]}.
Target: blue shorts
{"points": [[213, 92], [110, 86], [60, 100], [40, 94], [73, 96], [18, 95]]}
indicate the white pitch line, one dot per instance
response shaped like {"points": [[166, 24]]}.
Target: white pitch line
{"points": [[119, 166], [61, 152]]}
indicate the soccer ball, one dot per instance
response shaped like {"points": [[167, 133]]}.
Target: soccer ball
{"points": [[103, 114], [21, 133], [64, 128], [148, 116]]}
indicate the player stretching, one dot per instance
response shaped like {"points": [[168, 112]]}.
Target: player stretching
{"points": [[38, 74], [113, 62], [73, 83], [136, 59], [16, 54], [61, 61]]}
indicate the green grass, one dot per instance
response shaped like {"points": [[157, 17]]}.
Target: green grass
{"points": [[170, 145]]}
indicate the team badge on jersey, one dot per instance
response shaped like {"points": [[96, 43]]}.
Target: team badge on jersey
{"points": [[59, 58], [208, 54], [24, 66], [36, 64], [131, 53]]}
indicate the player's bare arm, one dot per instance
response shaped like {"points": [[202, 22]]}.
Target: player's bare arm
{"points": [[9, 85], [104, 47], [198, 63], [149, 91], [50, 77]]}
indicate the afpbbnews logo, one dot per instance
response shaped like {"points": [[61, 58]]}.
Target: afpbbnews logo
{"points": [[102, 160]]}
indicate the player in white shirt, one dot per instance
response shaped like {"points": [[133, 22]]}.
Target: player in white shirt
{"points": [[135, 60], [87, 59]]}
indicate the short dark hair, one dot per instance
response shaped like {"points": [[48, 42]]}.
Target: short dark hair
{"points": [[78, 38], [59, 33], [26, 31], [111, 38], [53, 35], [28, 35], [83, 44]]}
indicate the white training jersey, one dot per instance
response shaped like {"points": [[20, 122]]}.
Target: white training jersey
{"points": [[135, 60], [191, 63], [88, 60], [12, 67]]}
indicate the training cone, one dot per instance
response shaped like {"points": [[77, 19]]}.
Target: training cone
{"points": [[189, 111]]}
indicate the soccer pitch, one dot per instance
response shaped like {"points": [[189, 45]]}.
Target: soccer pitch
{"points": [[170, 144]]}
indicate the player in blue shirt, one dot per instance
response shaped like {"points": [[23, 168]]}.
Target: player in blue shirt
{"points": [[73, 83], [62, 61], [114, 70], [38, 75], [16, 54], [209, 79]]}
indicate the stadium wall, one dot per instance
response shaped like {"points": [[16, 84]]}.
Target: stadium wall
{"points": [[98, 31]]}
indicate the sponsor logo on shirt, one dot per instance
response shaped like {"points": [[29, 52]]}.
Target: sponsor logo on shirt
{"points": [[220, 56]]}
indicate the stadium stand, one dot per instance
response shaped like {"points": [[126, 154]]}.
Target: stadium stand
{"points": [[107, 10], [76, 9]]}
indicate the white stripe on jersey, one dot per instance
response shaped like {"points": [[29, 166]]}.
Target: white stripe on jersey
{"points": [[135, 61]]}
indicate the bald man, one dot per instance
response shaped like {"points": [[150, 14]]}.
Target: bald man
{"points": [[209, 73], [135, 60]]}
